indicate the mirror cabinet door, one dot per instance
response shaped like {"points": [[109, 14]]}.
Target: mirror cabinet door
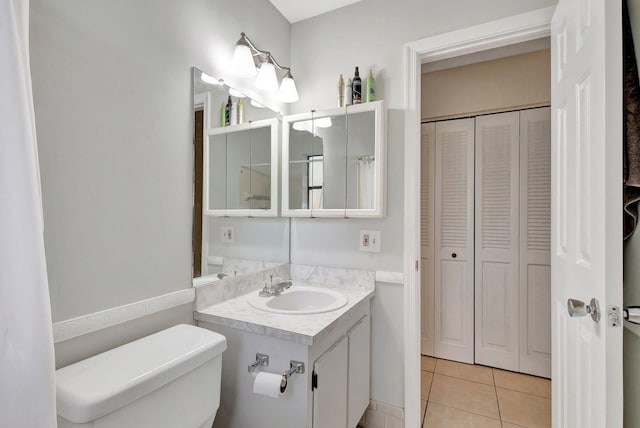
{"points": [[258, 190], [216, 172], [238, 169], [361, 160], [301, 156], [330, 147]]}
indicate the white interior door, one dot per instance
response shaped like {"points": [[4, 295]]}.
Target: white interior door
{"points": [[586, 242], [535, 241], [496, 240], [454, 225], [427, 235]]}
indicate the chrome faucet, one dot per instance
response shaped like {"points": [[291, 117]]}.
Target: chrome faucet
{"points": [[274, 289]]}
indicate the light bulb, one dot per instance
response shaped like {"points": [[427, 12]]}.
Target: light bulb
{"points": [[288, 92], [242, 64], [267, 79]]}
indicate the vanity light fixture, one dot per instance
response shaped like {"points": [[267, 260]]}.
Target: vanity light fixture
{"points": [[243, 64]]}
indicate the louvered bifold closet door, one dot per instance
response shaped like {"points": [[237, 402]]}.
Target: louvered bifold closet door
{"points": [[453, 302], [427, 232], [497, 228], [535, 242]]}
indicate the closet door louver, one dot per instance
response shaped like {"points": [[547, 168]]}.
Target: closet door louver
{"points": [[454, 225], [427, 231], [535, 238], [497, 227]]}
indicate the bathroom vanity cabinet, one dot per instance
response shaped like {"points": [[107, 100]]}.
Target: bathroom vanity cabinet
{"points": [[340, 379], [334, 390]]}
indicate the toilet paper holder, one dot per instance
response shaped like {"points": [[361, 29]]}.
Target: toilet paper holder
{"points": [[263, 360], [294, 367]]}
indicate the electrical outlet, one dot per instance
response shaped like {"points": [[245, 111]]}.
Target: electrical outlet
{"points": [[227, 234], [370, 240]]}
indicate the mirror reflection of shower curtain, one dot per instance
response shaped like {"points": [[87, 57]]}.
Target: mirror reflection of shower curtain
{"points": [[366, 179]]}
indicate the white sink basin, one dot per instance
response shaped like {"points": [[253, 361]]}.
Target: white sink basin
{"points": [[300, 300]]}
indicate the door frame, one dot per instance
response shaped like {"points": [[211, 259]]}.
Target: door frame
{"points": [[502, 32]]}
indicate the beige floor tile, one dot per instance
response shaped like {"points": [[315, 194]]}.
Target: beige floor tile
{"points": [[439, 416], [522, 383], [510, 425], [464, 395], [524, 409], [423, 410], [425, 384], [470, 372], [427, 363]]}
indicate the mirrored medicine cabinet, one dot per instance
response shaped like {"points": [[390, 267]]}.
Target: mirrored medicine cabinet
{"points": [[334, 163]]}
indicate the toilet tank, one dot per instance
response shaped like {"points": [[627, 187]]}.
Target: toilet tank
{"points": [[166, 380]]}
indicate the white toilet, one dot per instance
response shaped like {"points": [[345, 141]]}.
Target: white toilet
{"points": [[170, 379]]}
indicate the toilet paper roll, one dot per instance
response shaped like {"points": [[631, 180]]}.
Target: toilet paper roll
{"points": [[270, 384]]}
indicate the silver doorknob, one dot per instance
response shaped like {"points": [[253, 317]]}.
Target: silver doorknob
{"points": [[578, 308], [631, 314]]}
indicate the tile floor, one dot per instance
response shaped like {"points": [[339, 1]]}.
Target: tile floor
{"points": [[464, 395]]}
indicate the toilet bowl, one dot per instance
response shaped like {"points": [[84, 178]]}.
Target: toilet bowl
{"points": [[166, 380]]}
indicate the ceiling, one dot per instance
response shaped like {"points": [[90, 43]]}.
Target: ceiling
{"points": [[297, 10]]}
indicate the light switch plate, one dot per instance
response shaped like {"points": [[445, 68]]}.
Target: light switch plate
{"points": [[370, 240], [227, 234]]}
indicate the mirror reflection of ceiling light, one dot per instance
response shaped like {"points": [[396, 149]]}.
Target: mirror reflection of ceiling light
{"points": [[210, 80], [236, 93], [243, 64], [308, 125]]}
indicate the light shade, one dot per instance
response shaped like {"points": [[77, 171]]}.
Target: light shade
{"points": [[242, 64], [288, 92], [267, 79]]}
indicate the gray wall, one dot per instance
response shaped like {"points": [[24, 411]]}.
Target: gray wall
{"points": [[112, 91], [631, 344], [372, 33]]}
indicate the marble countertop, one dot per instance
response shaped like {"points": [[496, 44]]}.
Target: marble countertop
{"points": [[303, 329]]}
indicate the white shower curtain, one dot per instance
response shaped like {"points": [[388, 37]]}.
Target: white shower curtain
{"points": [[27, 376], [366, 182]]}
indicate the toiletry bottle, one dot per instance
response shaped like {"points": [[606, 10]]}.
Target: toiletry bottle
{"points": [[223, 114], [371, 88], [341, 92], [357, 87], [234, 113], [240, 111], [227, 112], [348, 93]]}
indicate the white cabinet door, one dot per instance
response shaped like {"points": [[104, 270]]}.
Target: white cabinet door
{"points": [[535, 241], [586, 199], [330, 394], [454, 225], [359, 370], [427, 234], [496, 240]]}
